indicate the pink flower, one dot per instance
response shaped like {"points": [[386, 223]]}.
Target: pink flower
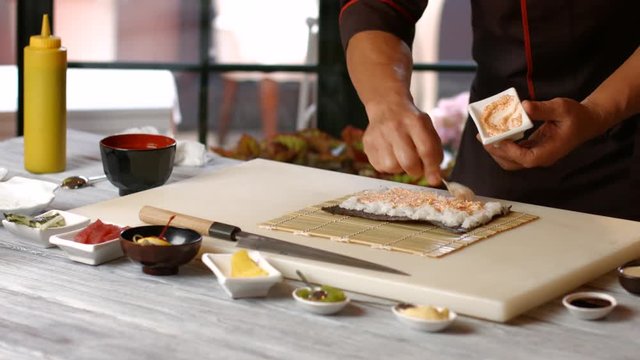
{"points": [[449, 117]]}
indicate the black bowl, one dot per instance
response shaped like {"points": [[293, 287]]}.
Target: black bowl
{"points": [[629, 282], [161, 260], [136, 162]]}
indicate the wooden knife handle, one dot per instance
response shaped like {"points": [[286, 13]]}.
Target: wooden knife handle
{"points": [[156, 216]]}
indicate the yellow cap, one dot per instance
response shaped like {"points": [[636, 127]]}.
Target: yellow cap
{"points": [[45, 40]]}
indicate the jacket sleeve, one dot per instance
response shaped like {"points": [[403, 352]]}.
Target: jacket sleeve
{"points": [[394, 16]]}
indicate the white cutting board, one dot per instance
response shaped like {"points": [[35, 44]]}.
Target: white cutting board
{"points": [[496, 278]]}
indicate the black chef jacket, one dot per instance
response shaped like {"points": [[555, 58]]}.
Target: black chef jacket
{"points": [[545, 49]]}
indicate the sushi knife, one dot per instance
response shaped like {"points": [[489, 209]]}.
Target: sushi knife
{"points": [[157, 216]]}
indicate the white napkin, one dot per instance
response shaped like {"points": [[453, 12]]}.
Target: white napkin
{"points": [[188, 152], [25, 196], [141, 130]]}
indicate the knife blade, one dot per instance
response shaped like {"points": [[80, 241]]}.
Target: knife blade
{"points": [[157, 216]]}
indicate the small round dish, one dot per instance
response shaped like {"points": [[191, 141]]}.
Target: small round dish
{"points": [[424, 324], [589, 305], [629, 276], [319, 307]]}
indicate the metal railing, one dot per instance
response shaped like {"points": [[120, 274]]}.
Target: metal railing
{"points": [[338, 104]]}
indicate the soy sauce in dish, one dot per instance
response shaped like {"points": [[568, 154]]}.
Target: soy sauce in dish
{"points": [[590, 302]]}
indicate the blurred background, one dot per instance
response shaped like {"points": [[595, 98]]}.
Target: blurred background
{"points": [[212, 70]]}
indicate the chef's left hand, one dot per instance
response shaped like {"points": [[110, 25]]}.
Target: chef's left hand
{"points": [[567, 124]]}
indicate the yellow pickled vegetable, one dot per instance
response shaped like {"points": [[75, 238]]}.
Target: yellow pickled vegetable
{"points": [[243, 266], [150, 240], [426, 313]]}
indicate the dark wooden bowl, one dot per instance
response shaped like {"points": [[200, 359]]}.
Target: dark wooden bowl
{"points": [[630, 283], [161, 260]]}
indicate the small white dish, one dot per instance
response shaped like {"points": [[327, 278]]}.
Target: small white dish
{"points": [[41, 237], [424, 324], [589, 305], [476, 109], [91, 254], [25, 196], [320, 307], [3, 173], [220, 265]]}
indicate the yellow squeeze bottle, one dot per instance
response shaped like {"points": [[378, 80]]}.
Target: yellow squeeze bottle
{"points": [[45, 102]]}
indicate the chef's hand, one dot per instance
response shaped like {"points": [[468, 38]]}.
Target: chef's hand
{"points": [[567, 124], [402, 138]]}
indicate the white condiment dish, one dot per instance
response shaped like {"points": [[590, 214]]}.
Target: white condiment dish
{"points": [[319, 307], [424, 324], [41, 237], [220, 265], [589, 313], [476, 109], [91, 254], [25, 196]]}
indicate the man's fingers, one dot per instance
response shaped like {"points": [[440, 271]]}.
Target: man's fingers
{"points": [[507, 164], [429, 148], [500, 155], [552, 110], [409, 144], [406, 154], [380, 154], [527, 155]]}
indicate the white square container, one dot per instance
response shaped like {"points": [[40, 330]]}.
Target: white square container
{"points": [[220, 264], [41, 237], [91, 254], [477, 108]]}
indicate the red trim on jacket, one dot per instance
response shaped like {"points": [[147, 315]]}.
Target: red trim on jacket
{"points": [[527, 48], [345, 8]]}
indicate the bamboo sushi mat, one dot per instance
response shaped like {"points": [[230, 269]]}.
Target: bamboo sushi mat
{"points": [[419, 239]]}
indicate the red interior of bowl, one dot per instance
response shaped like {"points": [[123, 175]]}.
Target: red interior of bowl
{"points": [[138, 141]]}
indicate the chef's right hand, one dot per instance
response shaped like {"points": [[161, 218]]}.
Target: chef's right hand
{"points": [[402, 138]]}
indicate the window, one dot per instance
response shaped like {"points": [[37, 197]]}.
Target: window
{"points": [[201, 44]]}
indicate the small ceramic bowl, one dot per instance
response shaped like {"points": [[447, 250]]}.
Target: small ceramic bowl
{"points": [[91, 254], [319, 307], [629, 276], [423, 324], [41, 237], [136, 162], [478, 108], [161, 260], [20, 195], [220, 265], [589, 305]]}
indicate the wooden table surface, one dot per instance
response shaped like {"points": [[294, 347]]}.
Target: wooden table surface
{"points": [[54, 308]]}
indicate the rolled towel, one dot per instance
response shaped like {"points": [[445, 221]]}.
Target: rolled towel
{"points": [[190, 153]]}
